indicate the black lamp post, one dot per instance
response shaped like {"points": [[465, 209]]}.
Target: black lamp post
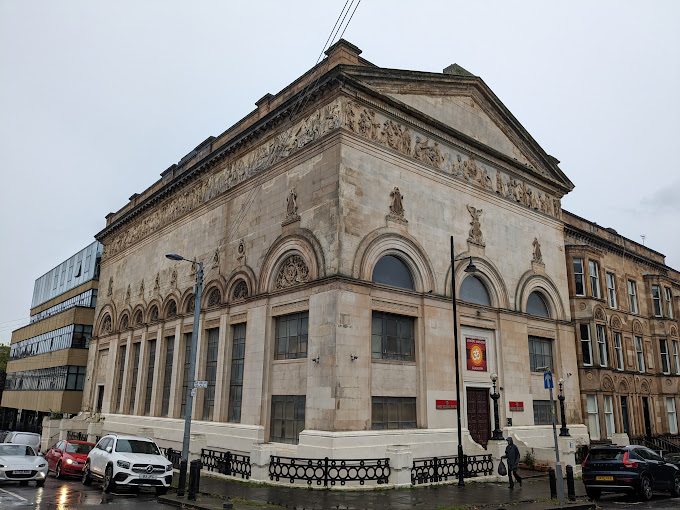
{"points": [[497, 433], [469, 269], [192, 369], [564, 431]]}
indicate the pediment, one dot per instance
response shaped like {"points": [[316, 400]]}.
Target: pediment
{"points": [[464, 103]]}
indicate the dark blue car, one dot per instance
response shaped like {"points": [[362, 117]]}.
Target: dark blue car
{"points": [[629, 469]]}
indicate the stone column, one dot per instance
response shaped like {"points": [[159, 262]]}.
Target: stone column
{"points": [[401, 462], [259, 461]]}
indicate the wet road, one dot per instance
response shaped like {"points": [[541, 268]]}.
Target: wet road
{"points": [[71, 494]]}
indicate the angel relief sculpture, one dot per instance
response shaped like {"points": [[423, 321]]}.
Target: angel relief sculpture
{"points": [[475, 234]]}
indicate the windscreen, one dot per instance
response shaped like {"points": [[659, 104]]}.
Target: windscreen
{"points": [[598, 455], [136, 446], [78, 448]]}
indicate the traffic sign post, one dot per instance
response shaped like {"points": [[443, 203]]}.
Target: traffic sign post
{"points": [[548, 385]]}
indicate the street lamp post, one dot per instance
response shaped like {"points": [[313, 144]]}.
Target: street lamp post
{"points": [[564, 431], [192, 369], [497, 433], [469, 269]]}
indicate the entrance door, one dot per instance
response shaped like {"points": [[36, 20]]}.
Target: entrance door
{"points": [[479, 415], [624, 414], [645, 412]]}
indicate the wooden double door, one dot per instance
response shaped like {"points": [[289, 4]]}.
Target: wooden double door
{"points": [[479, 415]]}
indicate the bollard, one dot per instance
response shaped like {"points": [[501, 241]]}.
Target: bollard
{"points": [[571, 492], [182, 477], [194, 479], [553, 483]]}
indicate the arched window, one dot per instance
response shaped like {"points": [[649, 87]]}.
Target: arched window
{"points": [[392, 271], [536, 305], [474, 291]]}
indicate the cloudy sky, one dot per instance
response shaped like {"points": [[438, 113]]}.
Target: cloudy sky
{"points": [[98, 98]]}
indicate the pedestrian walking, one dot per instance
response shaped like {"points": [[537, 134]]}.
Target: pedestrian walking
{"points": [[512, 456]]}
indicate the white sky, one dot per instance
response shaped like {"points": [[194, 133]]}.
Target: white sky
{"points": [[98, 98]]}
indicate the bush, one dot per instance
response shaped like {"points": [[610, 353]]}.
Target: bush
{"points": [[529, 459]]}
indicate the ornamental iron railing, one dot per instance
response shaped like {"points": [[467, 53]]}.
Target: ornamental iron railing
{"points": [[438, 469], [329, 471], [173, 456], [226, 463]]}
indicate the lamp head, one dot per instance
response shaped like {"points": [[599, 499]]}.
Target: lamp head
{"points": [[471, 268], [174, 256]]}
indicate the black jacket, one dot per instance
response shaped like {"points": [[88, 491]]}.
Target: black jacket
{"points": [[512, 455]]}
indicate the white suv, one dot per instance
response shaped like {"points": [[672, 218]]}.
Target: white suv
{"points": [[128, 461]]}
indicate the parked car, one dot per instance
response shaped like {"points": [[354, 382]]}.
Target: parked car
{"points": [[628, 469], [28, 438], [68, 457], [20, 463], [119, 460]]}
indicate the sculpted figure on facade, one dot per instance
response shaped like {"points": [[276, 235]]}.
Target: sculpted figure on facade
{"points": [[397, 206], [294, 271], [538, 256], [475, 234]]}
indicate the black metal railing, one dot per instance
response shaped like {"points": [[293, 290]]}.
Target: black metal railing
{"points": [[173, 456], [329, 471], [226, 463], [440, 469], [76, 436], [664, 444]]}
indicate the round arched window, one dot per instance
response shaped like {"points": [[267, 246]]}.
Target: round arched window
{"points": [[474, 291], [536, 305], [392, 271]]}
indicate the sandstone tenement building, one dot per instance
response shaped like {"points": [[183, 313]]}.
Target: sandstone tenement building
{"points": [[324, 226]]}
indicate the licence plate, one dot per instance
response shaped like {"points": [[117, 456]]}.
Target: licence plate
{"points": [[604, 478], [144, 475], [21, 472]]}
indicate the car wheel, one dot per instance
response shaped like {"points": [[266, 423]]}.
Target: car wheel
{"points": [[23, 483], [593, 493], [675, 487], [161, 491], [39, 483], [645, 488], [87, 477], [109, 484], [57, 471]]}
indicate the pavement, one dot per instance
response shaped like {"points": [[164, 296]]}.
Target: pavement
{"points": [[534, 495]]}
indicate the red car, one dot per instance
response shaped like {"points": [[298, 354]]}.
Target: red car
{"points": [[66, 458]]}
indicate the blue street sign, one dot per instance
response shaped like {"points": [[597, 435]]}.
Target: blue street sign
{"points": [[547, 381]]}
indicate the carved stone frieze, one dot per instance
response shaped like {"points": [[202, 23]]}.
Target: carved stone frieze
{"points": [[368, 123], [294, 271], [237, 170]]}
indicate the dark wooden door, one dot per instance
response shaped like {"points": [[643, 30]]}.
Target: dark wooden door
{"points": [[479, 415]]}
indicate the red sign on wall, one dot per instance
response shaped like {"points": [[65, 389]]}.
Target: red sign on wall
{"points": [[447, 404], [517, 406], [475, 349]]}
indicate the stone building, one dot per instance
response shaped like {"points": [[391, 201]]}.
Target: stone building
{"points": [[47, 360], [625, 303], [324, 225]]}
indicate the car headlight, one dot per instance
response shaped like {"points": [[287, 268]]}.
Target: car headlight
{"points": [[123, 464], [69, 461], [168, 468]]}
